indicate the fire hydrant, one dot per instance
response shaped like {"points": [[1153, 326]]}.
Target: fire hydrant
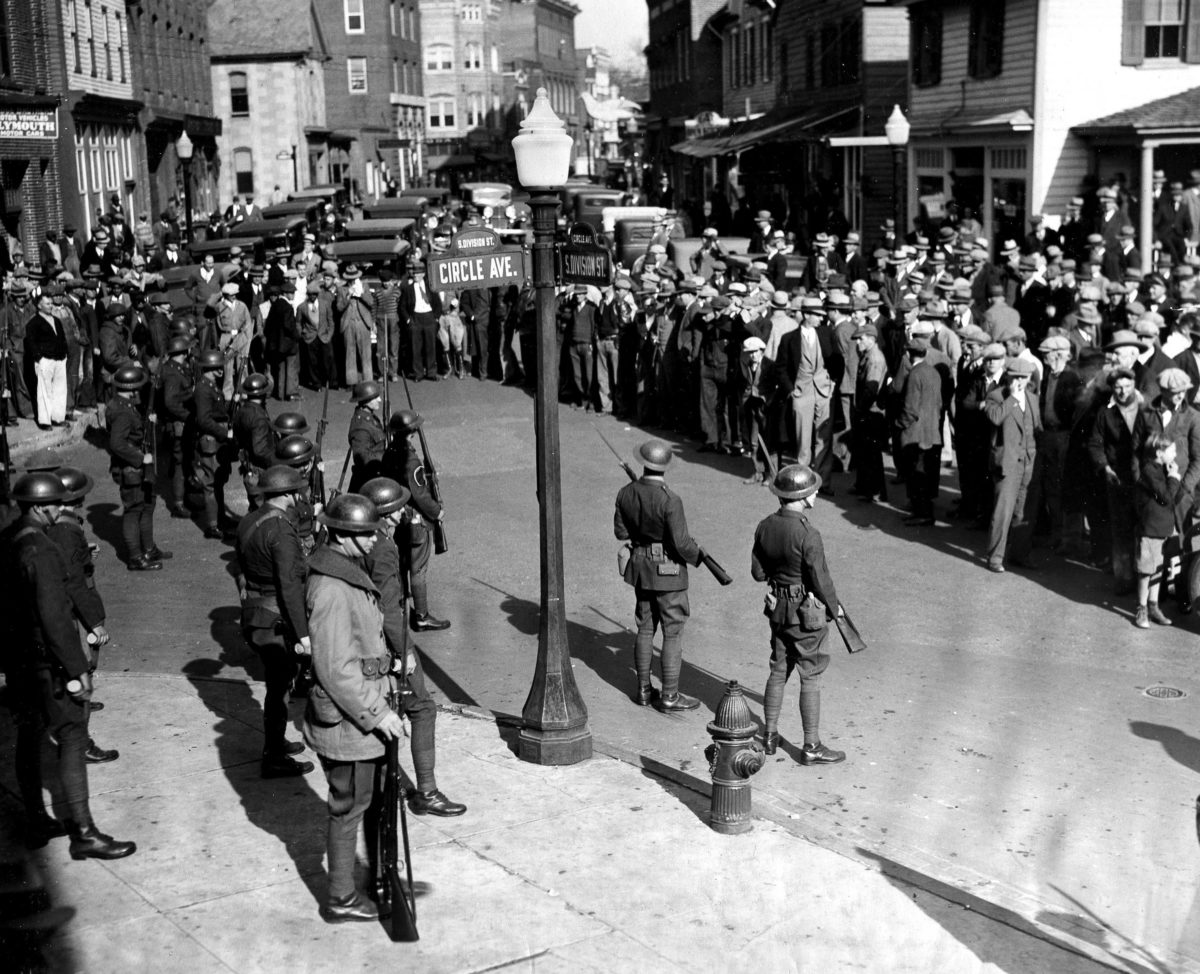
{"points": [[732, 758]]}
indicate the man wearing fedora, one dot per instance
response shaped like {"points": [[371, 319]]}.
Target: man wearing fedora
{"points": [[357, 324], [649, 515], [421, 308], [789, 555], [1012, 411], [1059, 406], [806, 387]]}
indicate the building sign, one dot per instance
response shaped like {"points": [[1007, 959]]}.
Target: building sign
{"points": [[582, 260], [29, 124], [476, 259]]}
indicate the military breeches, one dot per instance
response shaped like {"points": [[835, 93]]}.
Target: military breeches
{"points": [[420, 709], [42, 704], [793, 648], [212, 471], [668, 611], [352, 786], [280, 666], [179, 450], [419, 550], [137, 519]]}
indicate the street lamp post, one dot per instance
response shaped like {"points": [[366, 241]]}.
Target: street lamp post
{"points": [[184, 149], [896, 129], [554, 727]]}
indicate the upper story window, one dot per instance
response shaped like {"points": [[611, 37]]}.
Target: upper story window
{"points": [[439, 57], [926, 47], [392, 17], [472, 13], [441, 112], [1160, 31], [354, 16], [986, 40], [239, 94], [495, 59], [473, 59], [356, 75]]}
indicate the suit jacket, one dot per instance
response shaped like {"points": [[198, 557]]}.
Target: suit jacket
{"points": [[1032, 245], [1014, 431], [1113, 444], [408, 297], [921, 407], [1186, 360], [787, 367], [1159, 502], [1000, 317], [1184, 431]]}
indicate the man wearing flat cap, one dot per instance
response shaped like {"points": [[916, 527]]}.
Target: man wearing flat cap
{"points": [[870, 419], [1115, 440], [1059, 406], [1012, 410], [754, 389], [919, 425]]}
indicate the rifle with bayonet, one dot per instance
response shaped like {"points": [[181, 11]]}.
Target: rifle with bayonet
{"points": [[397, 906], [318, 472], [707, 560], [441, 543], [151, 433]]}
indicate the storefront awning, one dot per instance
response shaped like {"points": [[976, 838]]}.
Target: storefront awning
{"points": [[975, 125], [770, 128]]}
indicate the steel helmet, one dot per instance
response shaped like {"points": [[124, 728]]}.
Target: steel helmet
{"points": [[386, 494], [294, 451], [75, 482], [129, 378], [212, 358], [44, 460], [184, 325], [795, 482], [365, 391], [405, 421], [285, 424], [39, 488], [351, 514], [178, 345], [256, 385], [280, 479], [656, 455]]}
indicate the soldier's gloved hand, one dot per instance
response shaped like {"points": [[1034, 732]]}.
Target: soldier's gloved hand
{"points": [[391, 727], [147, 458], [99, 636], [304, 647], [229, 434], [841, 612], [410, 664], [80, 688]]}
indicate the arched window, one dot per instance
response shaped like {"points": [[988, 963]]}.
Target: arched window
{"points": [[439, 57], [239, 94], [243, 171]]}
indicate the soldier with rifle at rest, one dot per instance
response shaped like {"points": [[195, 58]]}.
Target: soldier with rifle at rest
{"points": [[789, 556], [403, 463], [348, 717], [177, 387], [253, 434], [383, 565], [298, 453], [289, 424], [131, 448], [368, 438], [650, 516], [273, 616], [214, 443], [318, 477]]}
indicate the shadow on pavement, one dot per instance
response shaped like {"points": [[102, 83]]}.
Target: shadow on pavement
{"points": [[665, 777], [286, 808], [1180, 747], [105, 521], [961, 920], [1087, 925], [451, 688]]}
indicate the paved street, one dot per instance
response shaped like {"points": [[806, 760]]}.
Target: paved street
{"points": [[1000, 748]]}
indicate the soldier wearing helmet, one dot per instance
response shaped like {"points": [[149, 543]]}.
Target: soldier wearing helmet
{"points": [[650, 516], [273, 616], [299, 453], [348, 717], [367, 437], [177, 390], [48, 673], [132, 470], [214, 442], [383, 565], [253, 434], [403, 463], [789, 556]]}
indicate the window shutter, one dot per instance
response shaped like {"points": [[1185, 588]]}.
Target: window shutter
{"points": [[1191, 43], [935, 49], [973, 42], [1133, 32]]}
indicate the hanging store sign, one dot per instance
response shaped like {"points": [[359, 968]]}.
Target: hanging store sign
{"points": [[38, 123]]}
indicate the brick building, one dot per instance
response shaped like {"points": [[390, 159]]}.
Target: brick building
{"points": [[464, 86], [169, 51], [30, 122], [372, 71], [268, 84]]}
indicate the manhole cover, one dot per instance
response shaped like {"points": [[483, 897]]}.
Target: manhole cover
{"points": [[1164, 693]]}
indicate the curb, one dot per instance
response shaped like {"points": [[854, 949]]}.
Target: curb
{"points": [[70, 434]]}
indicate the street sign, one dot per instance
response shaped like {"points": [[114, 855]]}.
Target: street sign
{"points": [[582, 260], [477, 259]]}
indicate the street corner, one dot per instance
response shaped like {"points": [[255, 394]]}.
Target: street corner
{"points": [[27, 438]]}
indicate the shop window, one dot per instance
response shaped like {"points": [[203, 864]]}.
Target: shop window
{"points": [[986, 39], [239, 94], [926, 53], [243, 172]]}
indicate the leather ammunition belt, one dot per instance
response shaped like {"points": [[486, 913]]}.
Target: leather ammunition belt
{"points": [[260, 598], [653, 550], [793, 592], [376, 667]]}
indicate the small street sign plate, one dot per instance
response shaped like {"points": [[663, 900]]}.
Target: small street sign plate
{"points": [[582, 260]]}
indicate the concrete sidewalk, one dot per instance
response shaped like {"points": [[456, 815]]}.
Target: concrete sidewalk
{"points": [[25, 438], [603, 866]]}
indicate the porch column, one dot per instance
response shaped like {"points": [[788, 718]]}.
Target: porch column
{"points": [[1146, 210]]}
